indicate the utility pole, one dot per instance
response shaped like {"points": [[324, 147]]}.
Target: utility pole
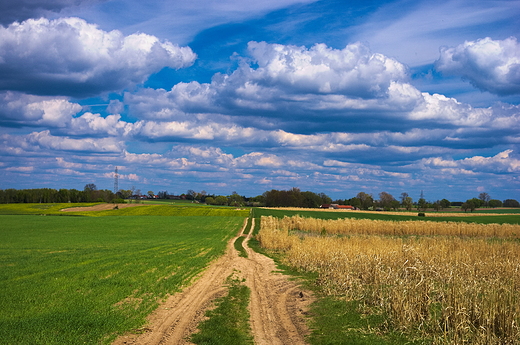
{"points": [[116, 181]]}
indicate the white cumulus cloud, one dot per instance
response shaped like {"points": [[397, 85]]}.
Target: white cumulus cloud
{"points": [[68, 56], [21, 108], [46, 140], [490, 65]]}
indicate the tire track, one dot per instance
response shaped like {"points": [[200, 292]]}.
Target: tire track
{"points": [[276, 307]]}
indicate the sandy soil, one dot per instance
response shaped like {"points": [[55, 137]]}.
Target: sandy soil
{"points": [[277, 306], [100, 207]]}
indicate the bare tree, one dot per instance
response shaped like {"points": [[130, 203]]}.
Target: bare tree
{"points": [[485, 198]]}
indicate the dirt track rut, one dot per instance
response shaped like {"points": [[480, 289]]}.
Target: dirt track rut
{"points": [[277, 305]]}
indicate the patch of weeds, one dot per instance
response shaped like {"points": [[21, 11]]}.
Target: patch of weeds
{"points": [[228, 323], [336, 321]]}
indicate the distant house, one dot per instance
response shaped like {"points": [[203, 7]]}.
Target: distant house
{"points": [[337, 207]]}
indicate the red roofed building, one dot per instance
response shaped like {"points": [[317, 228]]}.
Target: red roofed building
{"points": [[338, 207]]}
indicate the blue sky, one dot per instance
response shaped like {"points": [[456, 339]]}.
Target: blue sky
{"points": [[336, 97]]}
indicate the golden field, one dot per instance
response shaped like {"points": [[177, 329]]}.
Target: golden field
{"points": [[454, 283]]}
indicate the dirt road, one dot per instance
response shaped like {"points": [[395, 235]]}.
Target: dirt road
{"points": [[277, 305]]}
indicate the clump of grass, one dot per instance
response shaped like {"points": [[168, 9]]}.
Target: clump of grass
{"points": [[239, 247], [228, 323], [249, 224]]}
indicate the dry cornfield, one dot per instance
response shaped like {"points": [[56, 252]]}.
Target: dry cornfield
{"points": [[453, 288]]}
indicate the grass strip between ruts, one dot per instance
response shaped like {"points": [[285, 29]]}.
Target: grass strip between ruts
{"points": [[228, 323]]}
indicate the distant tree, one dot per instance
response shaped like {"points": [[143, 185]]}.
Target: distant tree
{"points": [[437, 205], [191, 194], [201, 196], [385, 200], [235, 200], [210, 200], [90, 187], [495, 203], [469, 205], [325, 199], [89, 192], [403, 197], [484, 197], [445, 203], [257, 201], [477, 202], [422, 204], [221, 200], [125, 193], [407, 202], [356, 202], [163, 194], [64, 195], [366, 200], [311, 200], [511, 203], [395, 205], [150, 194]]}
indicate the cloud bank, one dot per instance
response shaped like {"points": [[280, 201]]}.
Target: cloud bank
{"points": [[70, 57], [318, 117]]}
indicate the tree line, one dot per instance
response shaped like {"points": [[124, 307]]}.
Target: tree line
{"points": [[48, 195], [293, 197]]}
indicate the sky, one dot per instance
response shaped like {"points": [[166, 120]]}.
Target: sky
{"points": [[334, 97]]}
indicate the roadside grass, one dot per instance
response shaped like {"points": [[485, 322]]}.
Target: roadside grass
{"points": [[84, 280], [228, 323], [337, 321]]}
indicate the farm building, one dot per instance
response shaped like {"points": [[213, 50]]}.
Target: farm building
{"points": [[338, 207]]}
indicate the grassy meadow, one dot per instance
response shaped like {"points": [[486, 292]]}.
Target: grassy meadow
{"points": [[76, 279]]}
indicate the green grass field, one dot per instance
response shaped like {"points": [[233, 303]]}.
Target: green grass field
{"points": [[495, 218], [83, 280], [161, 209]]}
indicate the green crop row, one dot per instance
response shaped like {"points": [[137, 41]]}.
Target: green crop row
{"points": [[83, 280]]}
